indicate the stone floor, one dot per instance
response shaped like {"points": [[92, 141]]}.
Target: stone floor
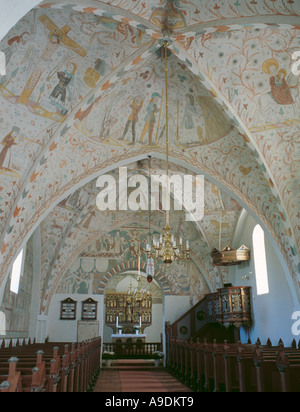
{"points": [[137, 376]]}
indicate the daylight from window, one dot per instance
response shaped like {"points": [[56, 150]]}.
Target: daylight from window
{"points": [[2, 323], [16, 273], [260, 264]]}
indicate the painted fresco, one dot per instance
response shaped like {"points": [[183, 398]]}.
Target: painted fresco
{"points": [[113, 247], [84, 91], [194, 117], [84, 276]]}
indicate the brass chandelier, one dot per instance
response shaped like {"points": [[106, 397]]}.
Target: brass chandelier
{"points": [[166, 247]]}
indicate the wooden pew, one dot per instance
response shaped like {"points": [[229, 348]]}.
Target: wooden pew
{"points": [[246, 368], [268, 366], [64, 368], [219, 368], [12, 382], [236, 367], [177, 357], [231, 368], [193, 366], [174, 356], [200, 366], [187, 362], [208, 367], [181, 369], [23, 378], [288, 365], [28, 357], [32, 371], [171, 355]]}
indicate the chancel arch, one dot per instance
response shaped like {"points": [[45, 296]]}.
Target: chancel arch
{"points": [[132, 265], [149, 314]]}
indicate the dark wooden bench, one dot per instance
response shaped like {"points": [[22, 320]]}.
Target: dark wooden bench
{"points": [[49, 367]]}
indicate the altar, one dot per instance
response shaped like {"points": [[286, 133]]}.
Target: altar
{"points": [[120, 308], [125, 336]]}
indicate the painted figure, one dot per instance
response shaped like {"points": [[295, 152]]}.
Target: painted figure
{"points": [[150, 118], [283, 92], [14, 43], [59, 93], [92, 75], [190, 111], [280, 90], [8, 142], [57, 37], [136, 106]]}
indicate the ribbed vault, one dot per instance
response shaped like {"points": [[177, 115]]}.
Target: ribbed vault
{"points": [[75, 73]]}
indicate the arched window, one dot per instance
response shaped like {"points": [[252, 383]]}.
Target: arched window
{"points": [[260, 263], [16, 272], [2, 323]]}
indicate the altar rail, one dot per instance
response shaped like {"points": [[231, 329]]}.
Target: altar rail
{"points": [[235, 367], [132, 350], [49, 367]]}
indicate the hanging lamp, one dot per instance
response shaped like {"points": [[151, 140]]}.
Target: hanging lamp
{"points": [[166, 247]]}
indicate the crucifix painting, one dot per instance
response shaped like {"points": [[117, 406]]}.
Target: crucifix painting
{"points": [[57, 38]]}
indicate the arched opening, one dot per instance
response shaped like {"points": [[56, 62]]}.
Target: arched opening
{"points": [[148, 314]]}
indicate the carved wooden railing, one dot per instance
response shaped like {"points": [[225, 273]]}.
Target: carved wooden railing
{"points": [[137, 349], [227, 307]]}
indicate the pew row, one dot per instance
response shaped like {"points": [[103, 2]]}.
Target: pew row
{"points": [[234, 367], [50, 367]]}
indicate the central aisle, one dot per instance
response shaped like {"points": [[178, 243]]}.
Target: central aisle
{"points": [[137, 376]]}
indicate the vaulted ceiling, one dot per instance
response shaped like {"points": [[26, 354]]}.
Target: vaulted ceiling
{"points": [[74, 72]]}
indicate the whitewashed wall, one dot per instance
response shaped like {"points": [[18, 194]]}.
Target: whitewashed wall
{"points": [[66, 331], [272, 312]]}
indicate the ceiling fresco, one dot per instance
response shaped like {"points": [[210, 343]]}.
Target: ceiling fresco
{"points": [[84, 94], [103, 239]]}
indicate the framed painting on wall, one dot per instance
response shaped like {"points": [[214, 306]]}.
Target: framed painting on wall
{"points": [[89, 309], [68, 309]]}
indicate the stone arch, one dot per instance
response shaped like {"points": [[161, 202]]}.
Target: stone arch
{"points": [[133, 265]]}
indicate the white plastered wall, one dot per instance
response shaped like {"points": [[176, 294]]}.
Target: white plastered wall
{"points": [[272, 312]]}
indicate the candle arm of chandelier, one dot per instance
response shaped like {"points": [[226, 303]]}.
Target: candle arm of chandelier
{"points": [[167, 247]]}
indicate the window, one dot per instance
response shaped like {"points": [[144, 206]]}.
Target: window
{"points": [[2, 323], [260, 264], [17, 270]]}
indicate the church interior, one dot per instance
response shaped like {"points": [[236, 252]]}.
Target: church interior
{"points": [[95, 91]]}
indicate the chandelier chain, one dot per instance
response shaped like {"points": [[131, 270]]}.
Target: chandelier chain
{"points": [[166, 248]]}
